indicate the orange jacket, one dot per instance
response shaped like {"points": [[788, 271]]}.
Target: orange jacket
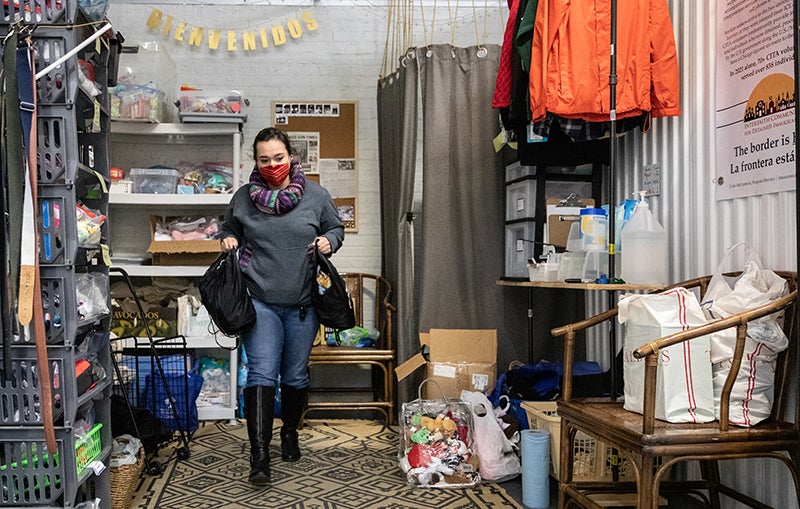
{"points": [[570, 60]]}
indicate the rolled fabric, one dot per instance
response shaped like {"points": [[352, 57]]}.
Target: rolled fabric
{"points": [[535, 468]]}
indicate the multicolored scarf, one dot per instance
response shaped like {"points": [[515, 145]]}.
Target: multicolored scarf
{"points": [[279, 201]]}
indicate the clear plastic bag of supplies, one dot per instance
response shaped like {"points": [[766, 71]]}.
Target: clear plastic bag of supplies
{"points": [[436, 443]]}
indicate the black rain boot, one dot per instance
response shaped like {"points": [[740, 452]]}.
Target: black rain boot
{"points": [[293, 402], [259, 405]]}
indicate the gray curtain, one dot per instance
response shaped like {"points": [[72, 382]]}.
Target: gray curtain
{"points": [[449, 280], [397, 139], [463, 203]]}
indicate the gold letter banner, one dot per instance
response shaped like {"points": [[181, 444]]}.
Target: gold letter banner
{"points": [[234, 40]]}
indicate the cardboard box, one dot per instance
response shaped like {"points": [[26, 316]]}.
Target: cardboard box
{"points": [[126, 320], [181, 252], [459, 359]]}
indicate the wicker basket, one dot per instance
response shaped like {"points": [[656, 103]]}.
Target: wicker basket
{"points": [[123, 481], [593, 458]]}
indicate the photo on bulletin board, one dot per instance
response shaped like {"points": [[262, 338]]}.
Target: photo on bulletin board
{"points": [[347, 212], [324, 139]]}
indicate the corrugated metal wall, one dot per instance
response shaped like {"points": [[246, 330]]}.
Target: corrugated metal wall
{"points": [[700, 228]]}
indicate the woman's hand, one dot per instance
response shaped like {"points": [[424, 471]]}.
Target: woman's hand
{"points": [[324, 245], [229, 243]]}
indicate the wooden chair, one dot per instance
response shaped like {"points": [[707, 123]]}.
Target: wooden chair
{"points": [[370, 294], [652, 446]]}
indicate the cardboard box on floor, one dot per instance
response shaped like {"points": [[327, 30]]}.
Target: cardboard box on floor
{"points": [[459, 359]]}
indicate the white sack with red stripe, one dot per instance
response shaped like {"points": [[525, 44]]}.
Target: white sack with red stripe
{"points": [[752, 393], [684, 390]]}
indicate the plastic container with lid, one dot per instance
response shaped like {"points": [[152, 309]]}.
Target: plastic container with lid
{"points": [[593, 228], [155, 180]]}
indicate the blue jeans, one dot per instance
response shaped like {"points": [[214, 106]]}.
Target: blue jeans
{"points": [[279, 344]]}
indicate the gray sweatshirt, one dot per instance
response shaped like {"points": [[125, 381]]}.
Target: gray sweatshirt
{"points": [[278, 269]]}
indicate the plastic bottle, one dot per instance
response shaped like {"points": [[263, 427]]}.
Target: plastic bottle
{"points": [[623, 214], [644, 258]]}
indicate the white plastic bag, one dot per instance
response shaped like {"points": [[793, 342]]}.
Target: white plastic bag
{"points": [[193, 319], [684, 389], [752, 393], [499, 460]]}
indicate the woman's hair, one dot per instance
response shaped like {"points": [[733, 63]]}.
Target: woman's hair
{"points": [[272, 133]]}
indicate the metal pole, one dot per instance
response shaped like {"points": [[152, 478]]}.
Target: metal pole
{"points": [[612, 179]]}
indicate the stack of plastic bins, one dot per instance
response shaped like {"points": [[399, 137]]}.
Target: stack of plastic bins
{"points": [[72, 168]]}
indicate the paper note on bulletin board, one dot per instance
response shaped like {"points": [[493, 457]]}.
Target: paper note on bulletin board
{"points": [[334, 126]]}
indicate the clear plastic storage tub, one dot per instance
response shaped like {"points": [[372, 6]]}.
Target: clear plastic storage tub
{"points": [[155, 180]]}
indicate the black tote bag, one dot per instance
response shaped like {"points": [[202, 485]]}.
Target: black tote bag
{"points": [[329, 295], [224, 294]]}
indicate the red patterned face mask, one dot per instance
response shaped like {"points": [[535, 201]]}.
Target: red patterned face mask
{"points": [[274, 174]]}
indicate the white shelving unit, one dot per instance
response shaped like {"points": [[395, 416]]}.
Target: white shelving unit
{"points": [[141, 145]]}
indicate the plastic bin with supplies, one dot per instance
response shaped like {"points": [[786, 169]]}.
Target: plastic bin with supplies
{"points": [[211, 105], [155, 180], [146, 84], [32, 475]]}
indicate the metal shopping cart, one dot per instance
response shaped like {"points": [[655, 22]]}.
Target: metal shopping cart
{"points": [[156, 380]]}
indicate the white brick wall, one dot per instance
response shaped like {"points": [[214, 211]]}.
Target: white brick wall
{"points": [[340, 60]]}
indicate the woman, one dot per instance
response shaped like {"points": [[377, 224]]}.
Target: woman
{"points": [[275, 221]]}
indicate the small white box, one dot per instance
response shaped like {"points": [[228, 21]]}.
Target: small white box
{"points": [[121, 186]]}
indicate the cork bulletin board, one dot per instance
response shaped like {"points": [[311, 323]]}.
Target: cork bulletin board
{"points": [[324, 137]]}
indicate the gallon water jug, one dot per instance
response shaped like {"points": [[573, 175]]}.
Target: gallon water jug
{"points": [[644, 256]]}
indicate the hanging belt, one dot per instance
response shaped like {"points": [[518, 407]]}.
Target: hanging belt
{"points": [[29, 306], [14, 159], [27, 109], [14, 167]]}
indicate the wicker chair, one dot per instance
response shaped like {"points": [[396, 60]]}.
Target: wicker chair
{"points": [[650, 446], [370, 294]]}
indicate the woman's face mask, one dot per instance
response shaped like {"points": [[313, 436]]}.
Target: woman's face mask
{"points": [[273, 162], [274, 174]]}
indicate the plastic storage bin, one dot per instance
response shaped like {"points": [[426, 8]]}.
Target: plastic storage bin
{"points": [[88, 447], [521, 200], [519, 248], [32, 476], [562, 189], [517, 170], [36, 11], [21, 391], [155, 180], [211, 105], [145, 84]]}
